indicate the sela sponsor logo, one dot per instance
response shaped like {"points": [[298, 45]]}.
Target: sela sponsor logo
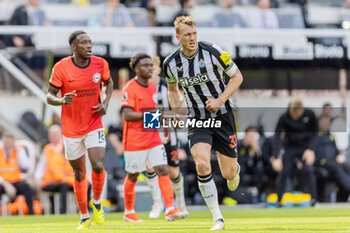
{"points": [[151, 120], [195, 80], [254, 51], [324, 51], [191, 122], [96, 78]]}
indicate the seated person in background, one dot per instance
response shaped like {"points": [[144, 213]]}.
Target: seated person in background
{"points": [[226, 17], [114, 14], [27, 14], [250, 159], [328, 155], [54, 173], [262, 16], [12, 161]]}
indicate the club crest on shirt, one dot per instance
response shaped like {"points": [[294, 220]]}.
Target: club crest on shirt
{"points": [[96, 78], [201, 63]]}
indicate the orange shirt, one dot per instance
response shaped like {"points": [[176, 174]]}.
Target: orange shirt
{"points": [[9, 168], [138, 97], [77, 118], [58, 168]]}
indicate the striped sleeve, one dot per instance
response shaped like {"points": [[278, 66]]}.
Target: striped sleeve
{"points": [[169, 77], [223, 60]]}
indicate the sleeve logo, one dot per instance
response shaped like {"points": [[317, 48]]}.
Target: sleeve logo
{"points": [[52, 73], [225, 57], [125, 98]]}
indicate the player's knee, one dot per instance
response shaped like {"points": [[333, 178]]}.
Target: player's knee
{"points": [[79, 174], [161, 170], [203, 167], [97, 167]]}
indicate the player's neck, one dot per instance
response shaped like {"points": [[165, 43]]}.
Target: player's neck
{"points": [[189, 53], [142, 81], [80, 61]]}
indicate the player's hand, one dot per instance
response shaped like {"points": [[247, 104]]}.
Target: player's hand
{"points": [[100, 109], [166, 133], [9, 189], [309, 157], [213, 105], [68, 97]]}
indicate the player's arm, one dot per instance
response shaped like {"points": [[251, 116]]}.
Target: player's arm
{"points": [[224, 62], [53, 99], [174, 95], [130, 115], [101, 108], [232, 86]]}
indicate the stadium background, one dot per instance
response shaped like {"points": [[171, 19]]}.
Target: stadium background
{"points": [[306, 54]]}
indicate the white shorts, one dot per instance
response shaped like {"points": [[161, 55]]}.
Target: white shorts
{"points": [[77, 147], [136, 161]]}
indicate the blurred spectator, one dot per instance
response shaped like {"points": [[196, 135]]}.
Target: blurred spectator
{"points": [[123, 77], [262, 16], [1, 130], [226, 17], [114, 14], [186, 6], [13, 160], [80, 2], [114, 161], [250, 159], [272, 165], [54, 173], [329, 157], [300, 127], [27, 14], [115, 135], [55, 119]]}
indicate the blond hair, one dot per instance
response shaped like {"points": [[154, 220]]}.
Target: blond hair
{"points": [[183, 20], [155, 61]]}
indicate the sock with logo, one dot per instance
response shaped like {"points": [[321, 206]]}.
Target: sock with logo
{"points": [[210, 195], [129, 194], [167, 191], [152, 181]]}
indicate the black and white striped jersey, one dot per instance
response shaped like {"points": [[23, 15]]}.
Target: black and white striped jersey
{"points": [[201, 77]]}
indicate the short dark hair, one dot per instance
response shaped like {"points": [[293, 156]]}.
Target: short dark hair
{"points": [[74, 35], [135, 59]]}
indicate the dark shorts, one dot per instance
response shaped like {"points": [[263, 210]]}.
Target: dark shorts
{"points": [[172, 153], [223, 139]]}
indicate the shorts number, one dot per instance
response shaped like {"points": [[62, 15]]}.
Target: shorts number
{"points": [[233, 139], [174, 155], [101, 136]]}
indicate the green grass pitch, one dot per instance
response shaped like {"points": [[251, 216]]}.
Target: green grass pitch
{"points": [[258, 220]]}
